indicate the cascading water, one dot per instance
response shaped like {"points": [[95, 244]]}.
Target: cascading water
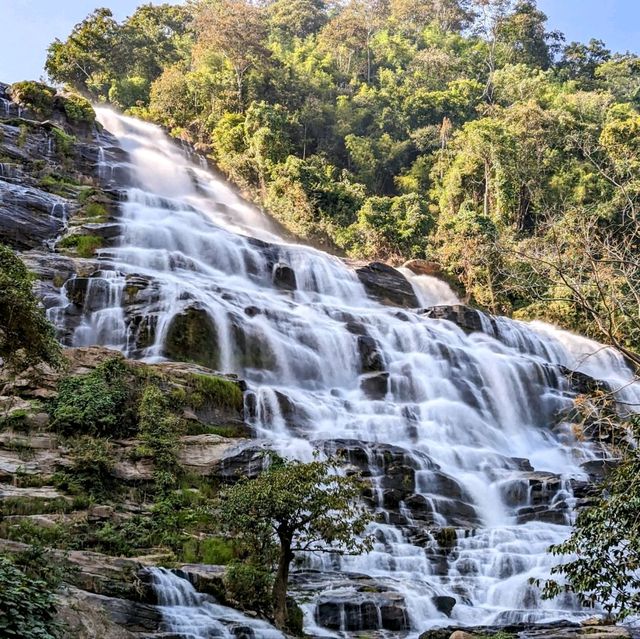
{"points": [[471, 468], [189, 614]]}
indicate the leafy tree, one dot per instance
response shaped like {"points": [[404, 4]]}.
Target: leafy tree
{"points": [[580, 61], [237, 30], [603, 551], [90, 57], [26, 337], [295, 507]]}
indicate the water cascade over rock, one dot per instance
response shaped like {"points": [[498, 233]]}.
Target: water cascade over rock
{"points": [[472, 470]]}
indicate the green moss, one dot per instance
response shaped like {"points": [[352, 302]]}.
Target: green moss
{"points": [[96, 211], [15, 420], [85, 245], [217, 390], [192, 337], [57, 184], [64, 142], [446, 538]]}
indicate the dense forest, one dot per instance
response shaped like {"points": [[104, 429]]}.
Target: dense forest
{"points": [[460, 131]]}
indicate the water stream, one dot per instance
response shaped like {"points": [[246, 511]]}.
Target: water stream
{"points": [[472, 471]]}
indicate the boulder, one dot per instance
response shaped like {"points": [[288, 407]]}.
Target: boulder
{"points": [[468, 319], [375, 385], [444, 604], [387, 285], [192, 336], [284, 277], [423, 267]]}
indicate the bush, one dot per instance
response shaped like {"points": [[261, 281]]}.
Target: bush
{"points": [[85, 245], [78, 110], [215, 551], [27, 604], [250, 586], [97, 403], [91, 466], [26, 336], [35, 96]]}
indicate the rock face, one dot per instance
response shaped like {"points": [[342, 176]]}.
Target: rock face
{"points": [[386, 284]]}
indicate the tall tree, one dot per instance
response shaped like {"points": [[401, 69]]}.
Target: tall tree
{"points": [[237, 30], [298, 507]]}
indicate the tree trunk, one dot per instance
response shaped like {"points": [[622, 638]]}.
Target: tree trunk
{"points": [[281, 583]]}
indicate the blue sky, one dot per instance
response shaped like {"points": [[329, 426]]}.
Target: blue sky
{"points": [[28, 26]]}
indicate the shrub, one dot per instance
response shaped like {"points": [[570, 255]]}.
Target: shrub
{"points": [[78, 110], [91, 466], [27, 604], [97, 403], [64, 141], [26, 336], [159, 431], [35, 96], [249, 586], [215, 551], [85, 245]]}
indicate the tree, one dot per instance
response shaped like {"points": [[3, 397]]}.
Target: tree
{"points": [[237, 30], [90, 57], [580, 61], [26, 336], [297, 18], [295, 507], [604, 548]]}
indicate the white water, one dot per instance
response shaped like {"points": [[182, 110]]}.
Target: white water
{"points": [[189, 614], [463, 410]]}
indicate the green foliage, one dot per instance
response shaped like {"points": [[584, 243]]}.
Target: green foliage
{"points": [[78, 109], [159, 430], [91, 467], [27, 603], [63, 141], [219, 391], [26, 337], [603, 551], [439, 129], [291, 507], [35, 96], [85, 245], [249, 586], [99, 403], [215, 551]]}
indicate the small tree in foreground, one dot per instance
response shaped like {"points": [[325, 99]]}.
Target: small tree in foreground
{"points": [[604, 547], [294, 507], [26, 337]]}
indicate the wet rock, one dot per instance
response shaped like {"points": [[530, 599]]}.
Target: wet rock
{"points": [[362, 611], [192, 336], [375, 385], [284, 277], [84, 617], [246, 459], [29, 217], [387, 285], [444, 604], [468, 319], [370, 356]]}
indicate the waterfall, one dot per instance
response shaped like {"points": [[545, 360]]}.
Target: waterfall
{"points": [[187, 613], [473, 469]]}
